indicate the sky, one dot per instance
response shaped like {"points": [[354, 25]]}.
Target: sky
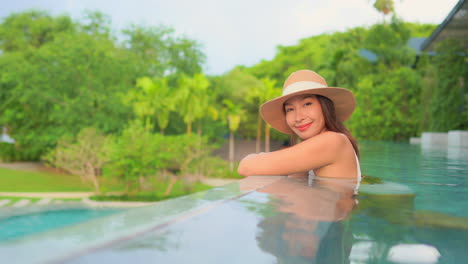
{"points": [[240, 32]]}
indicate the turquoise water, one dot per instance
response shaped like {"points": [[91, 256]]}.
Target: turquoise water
{"points": [[26, 224], [414, 212], [438, 175], [436, 216]]}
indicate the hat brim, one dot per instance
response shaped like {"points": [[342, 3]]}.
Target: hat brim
{"points": [[273, 113]]}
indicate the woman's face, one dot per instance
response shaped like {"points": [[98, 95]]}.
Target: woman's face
{"points": [[304, 116]]}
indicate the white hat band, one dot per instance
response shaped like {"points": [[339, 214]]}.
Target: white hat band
{"points": [[301, 86]]}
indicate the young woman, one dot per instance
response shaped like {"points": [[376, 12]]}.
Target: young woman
{"points": [[314, 112]]}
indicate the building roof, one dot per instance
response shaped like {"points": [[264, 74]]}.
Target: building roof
{"points": [[454, 26]]}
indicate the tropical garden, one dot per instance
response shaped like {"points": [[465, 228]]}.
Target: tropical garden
{"points": [[133, 111]]}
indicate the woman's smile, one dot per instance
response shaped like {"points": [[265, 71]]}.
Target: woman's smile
{"points": [[304, 127]]}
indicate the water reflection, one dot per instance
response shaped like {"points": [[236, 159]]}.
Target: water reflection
{"points": [[389, 225], [308, 224]]}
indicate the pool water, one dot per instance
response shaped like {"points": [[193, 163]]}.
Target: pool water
{"points": [[410, 209], [438, 175], [435, 216], [32, 223]]}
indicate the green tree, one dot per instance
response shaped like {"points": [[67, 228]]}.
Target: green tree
{"points": [[152, 99], [55, 90], [255, 96], [31, 30], [444, 90], [236, 84], [233, 114], [136, 154], [389, 106], [160, 53], [96, 23], [58, 76], [84, 155], [337, 58], [192, 99], [270, 92], [384, 6]]}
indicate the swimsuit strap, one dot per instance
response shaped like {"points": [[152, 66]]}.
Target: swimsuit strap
{"points": [[358, 167], [359, 175]]}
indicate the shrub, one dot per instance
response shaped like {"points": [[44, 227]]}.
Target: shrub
{"points": [[215, 167], [136, 154], [84, 155], [7, 152]]}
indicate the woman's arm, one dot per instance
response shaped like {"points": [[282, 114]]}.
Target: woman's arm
{"points": [[312, 153]]}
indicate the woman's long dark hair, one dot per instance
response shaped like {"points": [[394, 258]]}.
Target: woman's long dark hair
{"points": [[331, 122]]}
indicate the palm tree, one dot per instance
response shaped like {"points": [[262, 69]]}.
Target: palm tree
{"points": [[232, 113], [192, 98], [256, 96], [152, 99], [384, 6], [270, 91]]}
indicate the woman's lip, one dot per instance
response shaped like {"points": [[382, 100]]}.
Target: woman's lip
{"points": [[303, 127]]}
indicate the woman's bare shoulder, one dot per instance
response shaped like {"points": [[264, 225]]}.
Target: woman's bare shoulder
{"points": [[327, 140]]}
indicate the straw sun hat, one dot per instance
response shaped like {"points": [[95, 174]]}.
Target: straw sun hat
{"points": [[306, 82]]}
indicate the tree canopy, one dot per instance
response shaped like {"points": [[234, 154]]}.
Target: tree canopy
{"points": [[59, 75]]}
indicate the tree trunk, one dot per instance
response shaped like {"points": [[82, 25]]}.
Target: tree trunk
{"points": [[170, 186], [259, 134], [189, 128], [127, 187], [90, 170], [267, 138], [96, 184], [199, 147], [231, 151], [162, 131]]}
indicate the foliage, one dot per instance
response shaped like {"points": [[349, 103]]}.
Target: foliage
{"points": [[236, 84], [388, 91], [445, 93], [388, 105], [58, 76], [134, 155], [152, 98], [384, 6], [158, 52], [193, 99], [394, 51], [8, 152], [84, 155], [214, 167], [31, 30], [138, 154], [44, 101], [156, 195]]}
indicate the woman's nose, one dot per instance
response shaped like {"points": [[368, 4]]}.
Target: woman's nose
{"points": [[299, 115]]}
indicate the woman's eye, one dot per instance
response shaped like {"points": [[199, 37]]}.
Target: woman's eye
{"points": [[308, 104], [288, 110]]}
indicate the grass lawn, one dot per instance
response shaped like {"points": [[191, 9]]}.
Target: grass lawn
{"points": [[156, 195], [16, 199], [29, 181]]}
